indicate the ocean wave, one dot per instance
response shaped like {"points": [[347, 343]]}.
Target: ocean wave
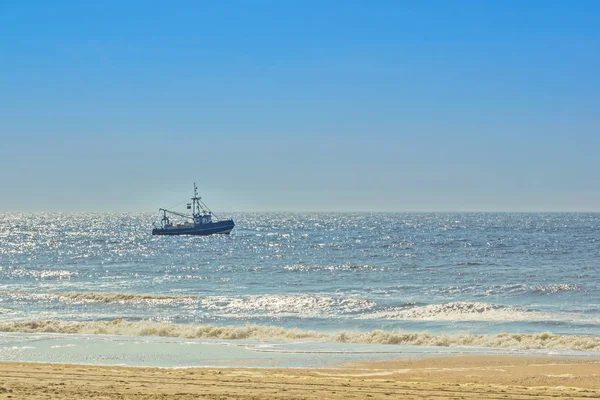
{"points": [[343, 267], [543, 341], [241, 306], [459, 311], [285, 304], [19, 273], [99, 297], [556, 288], [533, 289], [4, 312]]}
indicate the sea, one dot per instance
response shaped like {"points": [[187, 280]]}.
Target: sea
{"points": [[298, 289]]}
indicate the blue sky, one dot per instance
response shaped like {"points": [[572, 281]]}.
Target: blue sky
{"points": [[281, 105]]}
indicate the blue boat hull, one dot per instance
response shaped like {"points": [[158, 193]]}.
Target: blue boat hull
{"points": [[220, 227]]}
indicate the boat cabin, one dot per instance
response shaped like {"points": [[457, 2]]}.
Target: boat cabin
{"points": [[202, 219]]}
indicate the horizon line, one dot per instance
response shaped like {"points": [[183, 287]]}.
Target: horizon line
{"points": [[327, 211]]}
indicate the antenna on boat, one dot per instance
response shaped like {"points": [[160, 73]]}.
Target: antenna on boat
{"points": [[194, 200]]}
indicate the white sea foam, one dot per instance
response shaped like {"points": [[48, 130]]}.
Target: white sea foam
{"points": [[7, 311], [100, 297], [19, 348], [59, 346], [459, 311], [285, 304], [279, 305], [545, 340], [122, 297], [268, 304], [556, 288], [343, 267]]}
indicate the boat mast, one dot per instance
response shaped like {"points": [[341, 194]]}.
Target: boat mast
{"points": [[195, 200], [198, 205]]}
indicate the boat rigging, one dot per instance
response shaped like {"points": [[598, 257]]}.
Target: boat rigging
{"points": [[201, 220]]}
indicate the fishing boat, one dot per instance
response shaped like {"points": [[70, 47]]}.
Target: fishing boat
{"points": [[199, 223]]}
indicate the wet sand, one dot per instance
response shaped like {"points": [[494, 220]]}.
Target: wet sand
{"points": [[473, 377]]}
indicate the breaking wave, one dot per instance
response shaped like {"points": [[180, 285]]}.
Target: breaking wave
{"points": [[460, 311], [302, 306], [121, 297], [531, 289], [344, 267], [19, 273], [97, 297], [4, 312], [557, 288], [545, 340], [286, 304], [241, 306]]}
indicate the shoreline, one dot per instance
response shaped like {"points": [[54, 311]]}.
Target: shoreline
{"points": [[177, 352], [469, 377]]}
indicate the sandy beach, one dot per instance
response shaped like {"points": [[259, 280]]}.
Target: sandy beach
{"points": [[480, 377]]}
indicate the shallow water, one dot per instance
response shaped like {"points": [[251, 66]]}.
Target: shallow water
{"points": [[492, 280]]}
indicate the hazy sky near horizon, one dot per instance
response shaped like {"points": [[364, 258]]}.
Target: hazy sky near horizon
{"points": [[297, 106]]}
